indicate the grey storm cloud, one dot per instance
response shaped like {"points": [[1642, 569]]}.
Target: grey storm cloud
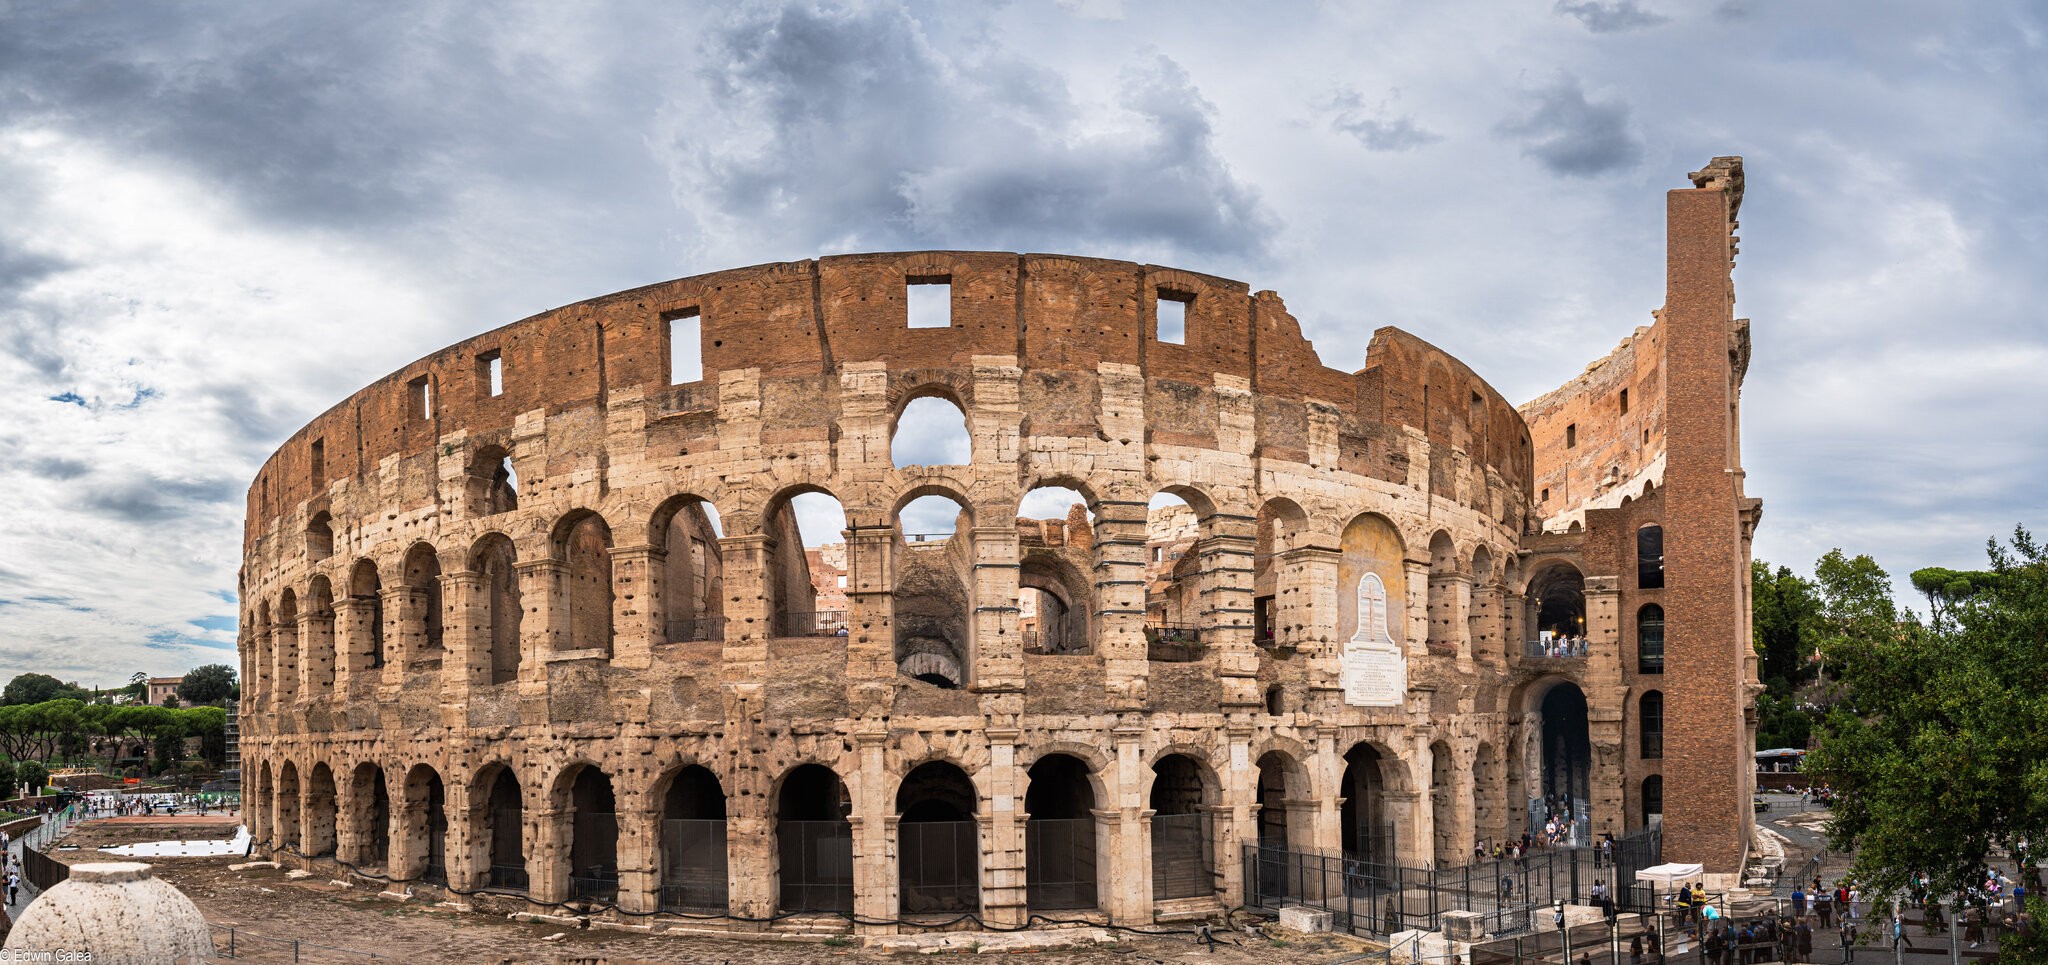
{"points": [[850, 117], [1611, 16], [145, 498], [1571, 134], [1377, 127]]}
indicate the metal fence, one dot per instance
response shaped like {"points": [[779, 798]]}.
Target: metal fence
{"points": [[817, 865], [700, 629], [939, 866], [233, 941], [1381, 898], [693, 868], [1183, 856], [1173, 642], [1060, 863], [806, 623]]}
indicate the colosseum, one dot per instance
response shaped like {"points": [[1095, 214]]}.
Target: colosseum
{"points": [[533, 623]]}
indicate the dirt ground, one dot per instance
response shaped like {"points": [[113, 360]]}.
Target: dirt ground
{"points": [[267, 909]]}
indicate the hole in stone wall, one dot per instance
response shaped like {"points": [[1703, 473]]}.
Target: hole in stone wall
{"points": [[490, 373], [1173, 318], [685, 348]]}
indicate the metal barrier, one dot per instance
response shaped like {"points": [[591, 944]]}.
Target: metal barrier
{"points": [[1183, 859], [938, 863], [1381, 898], [233, 941], [693, 864], [817, 865], [1059, 864], [802, 623], [701, 629]]}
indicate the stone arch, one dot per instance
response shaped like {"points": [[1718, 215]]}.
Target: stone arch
{"points": [[686, 530], [422, 573], [1371, 545], [366, 589], [369, 806], [285, 645], [319, 537], [1183, 794], [422, 826], [938, 840], [1482, 620], [490, 483], [929, 404], [1556, 753], [693, 839], [1443, 802], [321, 812], [788, 583], [582, 544], [1371, 770], [1281, 526], [1489, 796], [1098, 765], [1062, 839], [285, 822], [317, 649], [588, 804], [932, 598], [814, 841], [497, 817], [1285, 802], [496, 565], [1557, 600], [1058, 602], [262, 808]]}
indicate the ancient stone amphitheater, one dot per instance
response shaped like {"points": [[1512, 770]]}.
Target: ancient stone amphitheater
{"points": [[531, 620]]}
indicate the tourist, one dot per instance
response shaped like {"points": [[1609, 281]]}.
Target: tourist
{"points": [[1855, 901], [1849, 939], [1804, 942], [1823, 907], [1635, 950], [13, 887], [1798, 902]]}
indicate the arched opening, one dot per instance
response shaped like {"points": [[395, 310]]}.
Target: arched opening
{"points": [[1482, 619], [693, 870], [317, 649], [501, 825], [367, 592], [931, 431], [1653, 800], [1060, 865], [1567, 760], [1650, 639], [1055, 597], [1183, 857], [1557, 595], [814, 841], [285, 642], [261, 659], [937, 841], [807, 565], [934, 636], [285, 826], [1173, 570], [1281, 523], [491, 486], [321, 812], [425, 826], [584, 546], [686, 530], [263, 809], [1280, 790], [1443, 805], [1367, 835], [1443, 597], [497, 571], [319, 537], [1650, 557], [423, 580], [370, 800], [1371, 571], [593, 835], [1650, 719]]}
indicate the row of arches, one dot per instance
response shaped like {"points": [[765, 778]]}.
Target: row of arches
{"points": [[572, 833]]}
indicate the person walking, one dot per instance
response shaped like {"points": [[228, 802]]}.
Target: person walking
{"points": [[1849, 938], [1804, 942], [1798, 902], [13, 887]]}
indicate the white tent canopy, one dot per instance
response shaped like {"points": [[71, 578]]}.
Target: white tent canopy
{"points": [[1669, 875]]}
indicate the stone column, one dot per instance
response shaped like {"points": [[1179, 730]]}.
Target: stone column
{"points": [[352, 644], [1120, 604], [998, 644], [639, 855], [351, 815], [1409, 809], [1129, 900], [468, 854], [405, 632], [876, 892], [1416, 642], [1307, 604], [1609, 705], [284, 675], [752, 859], [1226, 553], [870, 611], [541, 629], [547, 855], [466, 633], [409, 848], [316, 654], [1235, 819], [636, 601], [1005, 898]]}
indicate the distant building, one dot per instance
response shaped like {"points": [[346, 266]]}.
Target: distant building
{"points": [[163, 688]]}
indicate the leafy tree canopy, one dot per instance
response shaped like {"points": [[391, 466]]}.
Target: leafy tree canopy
{"points": [[34, 688], [1937, 747], [207, 685], [1945, 587]]}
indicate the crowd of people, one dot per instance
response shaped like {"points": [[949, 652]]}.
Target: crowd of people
{"points": [[1561, 646]]}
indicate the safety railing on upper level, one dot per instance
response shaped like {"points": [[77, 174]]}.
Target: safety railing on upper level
{"points": [[1555, 648], [815, 623]]}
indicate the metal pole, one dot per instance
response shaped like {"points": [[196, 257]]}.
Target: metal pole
{"points": [[1955, 952]]}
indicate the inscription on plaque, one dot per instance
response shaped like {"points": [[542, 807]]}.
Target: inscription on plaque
{"points": [[1373, 670]]}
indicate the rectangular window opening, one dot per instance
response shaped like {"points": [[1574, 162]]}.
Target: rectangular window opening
{"points": [[318, 469], [490, 373], [685, 347], [1173, 319], [1571, 436], [422, 392], [930, 302], [1624, 402]]}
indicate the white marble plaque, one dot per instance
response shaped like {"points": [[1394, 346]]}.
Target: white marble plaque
{"points": [[1373, 675]]}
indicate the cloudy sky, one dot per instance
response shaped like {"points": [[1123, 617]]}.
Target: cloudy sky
{"points": [[217, 219]]}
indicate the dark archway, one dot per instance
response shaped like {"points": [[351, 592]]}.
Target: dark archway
{"points": [[593, 836], [1557, 594], [1653, 799], [497, 570], [286, 824], [693, 865], [371, 802], [814, 841], [1368, 837], [321, 812], [502, 829], [425, 825], [584, 546], [1060, 864], [1183, 856], [937, 841], [1567, 756]]}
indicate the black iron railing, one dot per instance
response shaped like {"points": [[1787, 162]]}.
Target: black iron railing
{"points": [[700, 629], [813, 623]]}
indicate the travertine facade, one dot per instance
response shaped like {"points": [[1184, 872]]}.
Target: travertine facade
{"points": [[496, 641]]}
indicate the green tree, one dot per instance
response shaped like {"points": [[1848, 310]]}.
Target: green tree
{"points": [[8, 781], [1786, 611], [1945, 588], [210, 684], [31, 773], [1936, 746], [34, 688]]}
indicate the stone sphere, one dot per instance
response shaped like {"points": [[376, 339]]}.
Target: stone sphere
{"points": [[118, 912]]}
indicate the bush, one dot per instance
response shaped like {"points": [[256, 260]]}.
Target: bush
{"points": [[31, 773], [8, 781]]}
